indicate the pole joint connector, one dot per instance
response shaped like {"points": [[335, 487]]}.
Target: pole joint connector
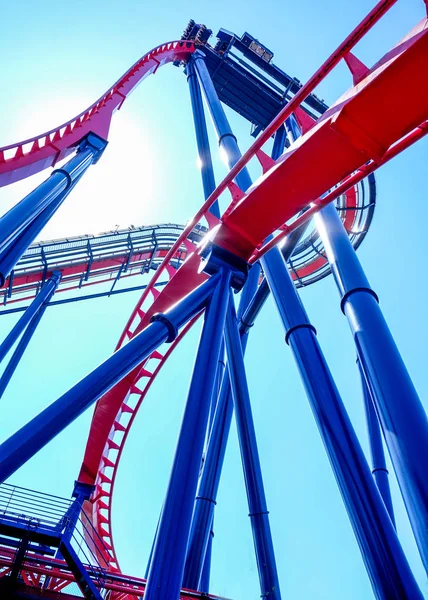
{"points": [[172, 329], [94, 142], [214, 258]]}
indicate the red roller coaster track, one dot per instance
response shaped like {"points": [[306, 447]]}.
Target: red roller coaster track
{"points": [[358, 134]]}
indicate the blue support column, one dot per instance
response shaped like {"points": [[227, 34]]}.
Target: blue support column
{"points": [[166, 569], [31, 312], [199, 538], [200, 532], [19, 351], [204, 153], [226, 138], [386, 564], [208, 182], [400, 411], [18, 228], [263, 545], [33, 436], [379, 470], [10, 256]]}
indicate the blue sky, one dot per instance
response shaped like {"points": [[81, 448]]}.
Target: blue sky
{"points": [[57, 59]]}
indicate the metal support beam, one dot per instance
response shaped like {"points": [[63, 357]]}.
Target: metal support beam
{"points": [[200, 535], [42, 298], [227, 140], [400, 411], [263, 544], [19, 351], [167, 564], [204, 152], [19, 559], [379, 470], [33, 436], [17, 221], [386, 564]]}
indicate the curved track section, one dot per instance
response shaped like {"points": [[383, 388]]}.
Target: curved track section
{"points": [[89, 260], [20, 160]]}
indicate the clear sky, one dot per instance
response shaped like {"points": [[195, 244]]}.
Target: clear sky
{"points": [[57, 58]]}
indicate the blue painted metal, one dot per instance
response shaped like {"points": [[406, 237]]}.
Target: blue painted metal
{"points": [[81, 493], [227, 140], [18, 218], [263, 544], [200, 533], [202, 522], [206, 571], [250, 85], [86, 297], [31, 312], [12, 253], [167, 564], [379, 470], [401, 414], [279, 142], [208, 182], [19, 351], [33, 436], [386, 564], [292, 128], [204, 153], [35, 319]]}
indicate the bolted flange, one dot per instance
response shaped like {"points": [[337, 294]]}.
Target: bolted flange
{"points": [[214, 258]]}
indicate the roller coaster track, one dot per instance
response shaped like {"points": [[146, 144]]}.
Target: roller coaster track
{"points": [[90, 260], [358, 134]]}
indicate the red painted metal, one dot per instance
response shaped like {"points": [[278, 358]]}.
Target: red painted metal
{"points": [[37, 570], [358, 128], [415, 135], [22, 159]]}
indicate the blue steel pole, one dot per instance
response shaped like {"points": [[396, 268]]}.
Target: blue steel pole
{"points": [[401, 414], [263, 543], [28, 334], [10, 255], [379, 470], [208, 183], [33, 436], [166, 568], [386, 564], [226, 138], [21, 215], [251, 302], [202, 141], [204, 585], [228, 143], [42, 298], [200, 533], [19, 351]]}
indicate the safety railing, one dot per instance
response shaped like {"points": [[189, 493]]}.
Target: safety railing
{"points": [[34, 509]]}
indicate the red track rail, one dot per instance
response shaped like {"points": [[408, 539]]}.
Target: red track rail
{"points": [[53, 574], [23, 159]]}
